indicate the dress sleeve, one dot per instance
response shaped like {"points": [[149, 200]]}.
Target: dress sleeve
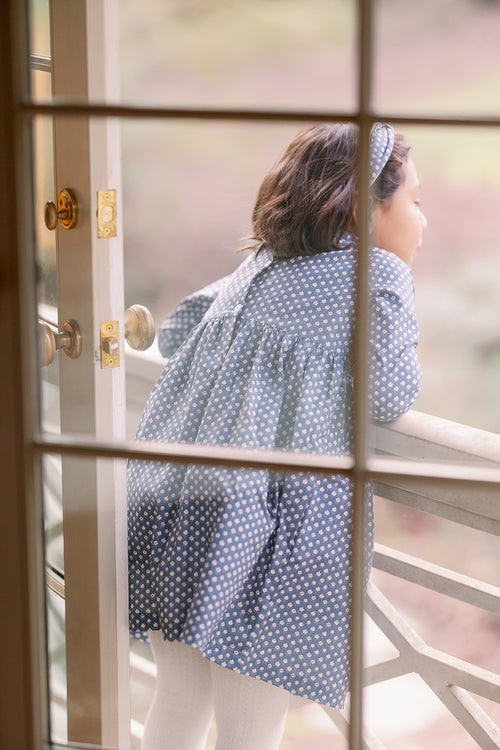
{"points": [[395, 374], [188, 313]]}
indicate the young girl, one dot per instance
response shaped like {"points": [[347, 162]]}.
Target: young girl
{"points": [[241, 577]]}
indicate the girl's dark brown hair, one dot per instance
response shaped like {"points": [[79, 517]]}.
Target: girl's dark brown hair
{"points": [[307, 200]]}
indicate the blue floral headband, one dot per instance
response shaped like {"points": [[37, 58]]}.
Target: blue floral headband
{"points": [[381, 145]]}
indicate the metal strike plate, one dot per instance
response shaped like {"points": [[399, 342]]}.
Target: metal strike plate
{"points": [[106, 213], [110, 344]]}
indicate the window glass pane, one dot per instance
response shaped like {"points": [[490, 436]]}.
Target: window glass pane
{"points": [[86, 581], [455, 275], [433, 565], [54, 562], [254, 578], [43, 183], [189, 193], [45, 262], [39, 27], [437, 57], [283, 53], [41, 83], [260, 588]]}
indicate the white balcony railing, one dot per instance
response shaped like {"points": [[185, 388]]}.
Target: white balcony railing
{"points": [[462, 688]]}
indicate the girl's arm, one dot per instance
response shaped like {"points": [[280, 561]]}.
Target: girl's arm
{"points": [[395, 374], [185, 317]]}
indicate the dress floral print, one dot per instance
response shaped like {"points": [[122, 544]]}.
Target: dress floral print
{"points": [[251, 567]]}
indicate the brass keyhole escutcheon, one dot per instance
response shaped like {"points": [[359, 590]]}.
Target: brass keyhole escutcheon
{"points": [[66, 210]]}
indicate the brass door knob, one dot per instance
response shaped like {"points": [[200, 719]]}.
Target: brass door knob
{"points": [[66, 210], [139, 327], [69, 340]]}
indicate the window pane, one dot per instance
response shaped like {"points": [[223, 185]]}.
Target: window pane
{"points": [[455, 273], [283, 53], [189, 191], [194, 187], [437, 57], [45, 260], [54, 562], [252, 570], [43, 183], [188, 194], [261, 588], [431, 564], [87, 627], [39, 27]]}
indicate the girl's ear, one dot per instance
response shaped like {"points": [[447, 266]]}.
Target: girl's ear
{"points": [[355, 215]]}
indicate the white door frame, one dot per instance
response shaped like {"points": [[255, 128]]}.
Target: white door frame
{"points": [[87, 159]]}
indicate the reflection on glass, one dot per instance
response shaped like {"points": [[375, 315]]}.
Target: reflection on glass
{"points": [[428, 58], [428, 588], [54, 563], [45, 259], [280, 54], [43, 188]]}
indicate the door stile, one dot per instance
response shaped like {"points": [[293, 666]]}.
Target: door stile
{"points": [[92, 398]]}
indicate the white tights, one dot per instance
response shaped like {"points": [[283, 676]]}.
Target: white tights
{"points": [[191, 690]]}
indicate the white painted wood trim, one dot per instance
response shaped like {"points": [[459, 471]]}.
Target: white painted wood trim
{"points": [[90, 290]]}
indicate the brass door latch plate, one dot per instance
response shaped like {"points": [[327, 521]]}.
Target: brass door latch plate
{"points": [[106, 213], [110, 344]]}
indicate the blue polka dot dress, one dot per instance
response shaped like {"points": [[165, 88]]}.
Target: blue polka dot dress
{"points": [[251, 567]]}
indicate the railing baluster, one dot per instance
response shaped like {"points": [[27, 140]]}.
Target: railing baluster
{"points": [[437, 578]]}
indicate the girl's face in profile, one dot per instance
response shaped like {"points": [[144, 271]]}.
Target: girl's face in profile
{"points": [[397, 226]]}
